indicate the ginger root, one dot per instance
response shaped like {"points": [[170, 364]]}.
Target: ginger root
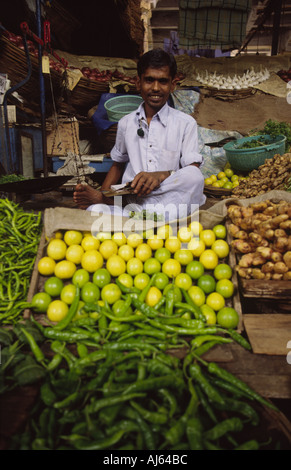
{"points": [[262, 238]]}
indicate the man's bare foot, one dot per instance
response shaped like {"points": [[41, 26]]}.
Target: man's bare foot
{"points": [[84, 196]]}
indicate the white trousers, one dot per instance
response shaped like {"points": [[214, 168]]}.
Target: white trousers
{"points": [[177, 197]]}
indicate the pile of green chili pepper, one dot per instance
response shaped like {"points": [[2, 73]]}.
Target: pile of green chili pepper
{"points": [[122, 392], [115, 381], [20, 235]]}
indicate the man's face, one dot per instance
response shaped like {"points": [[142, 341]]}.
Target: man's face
{"points": [[155, 86]]}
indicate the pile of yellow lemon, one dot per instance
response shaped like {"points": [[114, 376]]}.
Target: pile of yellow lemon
{"points": [[194, 258], [226, 179]]}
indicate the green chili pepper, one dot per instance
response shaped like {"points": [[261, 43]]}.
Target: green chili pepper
{"points": [[171, 400], [239, 339], [206, 405], [68, 401], [199, 340], [194, 433], [242, 408], [144, 292], [55, 362], [90, 359], [150, 416], [213, 368], [107, 443], [60, 348], [175, 433], [82, 350], [233, 424], [157, 368], [126, 425], [183, 322], [68, 336], [160, 303], [154, 383], [252, 444], [144, 332], [127, 290], [204, 348], [170, 299], [47, 395], [38, 354], [71, 313], [103, 325], [110, 401], [197, 374], [146, 433], [196, 310]]}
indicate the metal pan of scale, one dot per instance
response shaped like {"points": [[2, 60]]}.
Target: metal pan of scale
{"points": [[35, 185]]}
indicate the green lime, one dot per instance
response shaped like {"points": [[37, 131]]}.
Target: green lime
{"points": [[101, 277], [161, 280], [90, 292], [40, 302], [162, 254], [53, 286], [80, 277], [207, 283], [227, 317], [195, 269]]}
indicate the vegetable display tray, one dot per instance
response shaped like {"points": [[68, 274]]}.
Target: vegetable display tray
{"points": [[37, 280]]}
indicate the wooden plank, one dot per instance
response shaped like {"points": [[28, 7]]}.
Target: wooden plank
{"points": [[268, 289], [268, 334], [268, 375]]}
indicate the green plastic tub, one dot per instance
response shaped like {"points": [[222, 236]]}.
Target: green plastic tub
{"points": [[119, 106], [249, 159]]}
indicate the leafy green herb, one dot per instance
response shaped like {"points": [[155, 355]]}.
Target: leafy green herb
{"points": [[145, 215], [11, 178], [275, 128]]}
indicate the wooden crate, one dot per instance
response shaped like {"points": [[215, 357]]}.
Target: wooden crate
{"points": [[37, 283], [266, 305]]}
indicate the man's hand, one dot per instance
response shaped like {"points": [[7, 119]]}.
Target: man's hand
{"points": [[145, 182]]}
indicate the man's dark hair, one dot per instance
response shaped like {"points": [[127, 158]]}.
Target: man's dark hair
{"points": [[157, 58]]}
